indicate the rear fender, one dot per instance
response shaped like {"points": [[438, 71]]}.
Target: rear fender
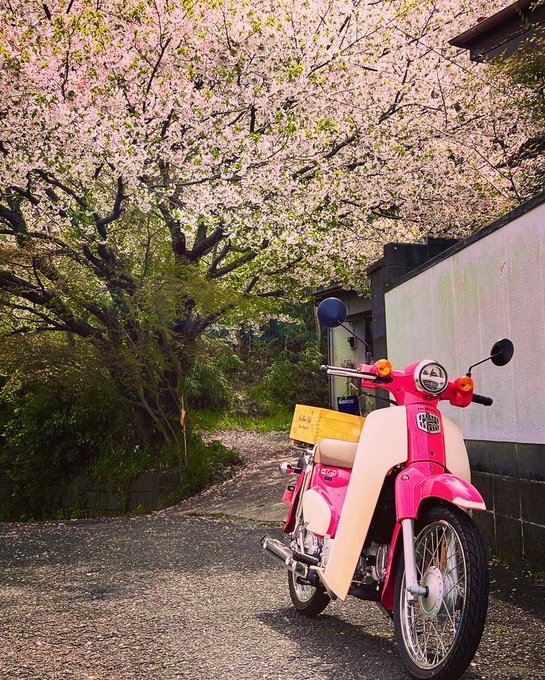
{"points": [[292, 513], [413, 487]]}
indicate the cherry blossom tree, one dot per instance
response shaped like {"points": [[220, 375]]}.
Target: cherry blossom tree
{"points": [[163, 164]]}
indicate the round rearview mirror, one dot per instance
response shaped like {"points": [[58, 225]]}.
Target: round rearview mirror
{"points": [[502, 352], [332, 312]]}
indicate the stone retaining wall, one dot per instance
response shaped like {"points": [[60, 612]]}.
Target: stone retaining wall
{"points": [[150, 490]]}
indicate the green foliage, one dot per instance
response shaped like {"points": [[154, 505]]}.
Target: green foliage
{"points": [[58, 410], [64, 412], [292, 378], [207, 463], [121, 460], [62, 415], [256, 383], [522, 75], [285, 363], [215, 421], [526, 70], [208, 384]]}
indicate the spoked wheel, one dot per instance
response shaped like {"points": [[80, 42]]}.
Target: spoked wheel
{"points": [[307, 599], [439, 634]]}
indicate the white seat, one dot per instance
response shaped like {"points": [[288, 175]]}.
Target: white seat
{"points": [[336, 452]]}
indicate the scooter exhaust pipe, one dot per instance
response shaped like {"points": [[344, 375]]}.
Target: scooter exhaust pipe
{"points": [[277, 549], [309, 572]]}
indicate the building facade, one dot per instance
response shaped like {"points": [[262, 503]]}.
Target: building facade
{"points": [[453, 308], [450, 301]]}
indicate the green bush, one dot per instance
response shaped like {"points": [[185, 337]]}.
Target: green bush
{"points": [[207, 463], [293, 378], [255, 382], [208, 385], [61, 415], [58, 411]]}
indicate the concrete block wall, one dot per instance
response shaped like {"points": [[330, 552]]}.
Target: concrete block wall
{"points": [[5, 490], [511, 479]]}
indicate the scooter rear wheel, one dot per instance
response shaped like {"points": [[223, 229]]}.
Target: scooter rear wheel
{"points": [[438, 635], [308, 600]]}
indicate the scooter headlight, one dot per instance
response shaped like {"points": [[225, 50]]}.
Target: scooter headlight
{"points": [[430, 377]]}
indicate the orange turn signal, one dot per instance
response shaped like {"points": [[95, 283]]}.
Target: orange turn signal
{"points": [[384, 367], [465, 384]]}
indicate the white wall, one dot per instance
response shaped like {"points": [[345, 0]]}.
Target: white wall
{"points": [[342, 354], [454, 311]]}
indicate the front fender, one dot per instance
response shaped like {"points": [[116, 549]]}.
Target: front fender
{"points": [[413, 487]]}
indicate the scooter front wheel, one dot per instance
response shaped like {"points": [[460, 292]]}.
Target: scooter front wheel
{"points": [[308, 600], [438, 635]]}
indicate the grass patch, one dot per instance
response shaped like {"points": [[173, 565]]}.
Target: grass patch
{"points": [[498, 560], [207, 464], [214, 421]]}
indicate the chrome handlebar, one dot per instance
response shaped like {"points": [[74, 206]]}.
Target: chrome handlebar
{"points": [[345, 372]]}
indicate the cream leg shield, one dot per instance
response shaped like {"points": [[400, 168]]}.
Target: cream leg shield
{"points": [[455, 450], [382, 445]]}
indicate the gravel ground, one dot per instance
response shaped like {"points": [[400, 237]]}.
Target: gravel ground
{"points": [[170, 595]]}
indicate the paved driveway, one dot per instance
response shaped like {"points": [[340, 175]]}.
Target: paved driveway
{"points": [[172, 595]]}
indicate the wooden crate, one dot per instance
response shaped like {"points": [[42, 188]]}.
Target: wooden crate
{"points": [[312, 424]]}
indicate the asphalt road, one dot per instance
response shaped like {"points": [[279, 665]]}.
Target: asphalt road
{"points": [[175, 596]]}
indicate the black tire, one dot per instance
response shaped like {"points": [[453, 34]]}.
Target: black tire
{"points": [[312, 606], [455, 610]]}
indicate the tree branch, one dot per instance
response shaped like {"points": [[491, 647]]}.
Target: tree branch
{"points": [[50, 179], [177, 235], [227, 248], [235, 264], [155, 69], [330, 154], [285, 268], [272, 294], [15, 285], [117, 209], [204, 244], [251, 285], [40, 329], [11, 218]]}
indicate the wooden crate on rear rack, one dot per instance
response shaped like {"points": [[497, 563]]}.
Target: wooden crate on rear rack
{"points": [[312, 424]]}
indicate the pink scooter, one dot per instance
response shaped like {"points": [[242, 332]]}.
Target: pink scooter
{"points": [[386, 518]]}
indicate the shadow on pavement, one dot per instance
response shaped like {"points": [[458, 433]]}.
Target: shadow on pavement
{"points": [[342, 649], [516, 587]]}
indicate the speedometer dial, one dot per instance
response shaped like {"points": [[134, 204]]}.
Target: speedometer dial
{"points": [[430, 377]]}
